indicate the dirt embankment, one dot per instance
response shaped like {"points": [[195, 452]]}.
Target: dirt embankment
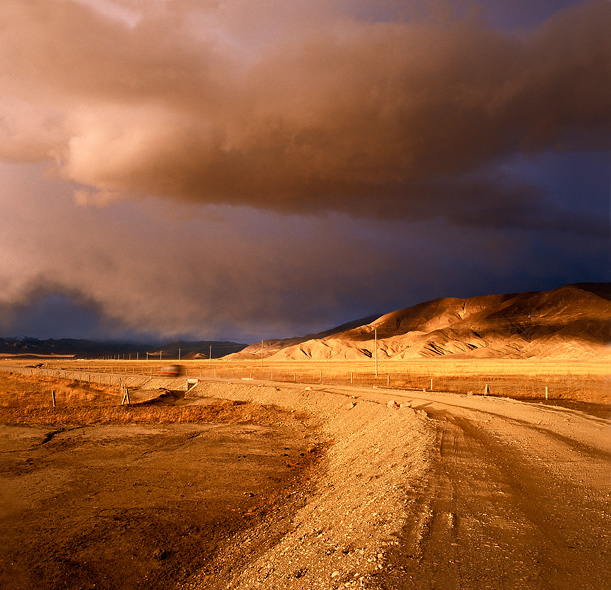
{"points": [[349, 517], [124, 497]]}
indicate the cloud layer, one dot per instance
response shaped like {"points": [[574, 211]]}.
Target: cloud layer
{"points": [[244, 169], [179, 271], [300, 109]]}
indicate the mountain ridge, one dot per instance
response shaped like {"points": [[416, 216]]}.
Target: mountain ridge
{"points": [[573, 321]]}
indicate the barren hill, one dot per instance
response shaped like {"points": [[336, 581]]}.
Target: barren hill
{"points": [[570, 322], [270, 347]]}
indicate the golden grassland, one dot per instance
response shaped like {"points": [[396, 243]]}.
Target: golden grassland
{"points": [[28, 399], [586, 380], [525, 379]]}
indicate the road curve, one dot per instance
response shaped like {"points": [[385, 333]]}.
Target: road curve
{"points": [[519, 497]]}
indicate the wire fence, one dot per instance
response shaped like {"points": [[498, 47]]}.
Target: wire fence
{"points": [[537, 386]]}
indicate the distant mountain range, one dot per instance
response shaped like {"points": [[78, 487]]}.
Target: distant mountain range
{"points": [[92, 349], [570, 322]]}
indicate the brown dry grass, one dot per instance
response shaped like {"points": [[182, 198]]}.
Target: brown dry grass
{"points": [[26, 399], [32, 392], [586, 380], [521, 379]]}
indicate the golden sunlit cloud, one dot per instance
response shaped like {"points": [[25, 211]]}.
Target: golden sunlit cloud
{"points": [[312, 110], [204, 168]]}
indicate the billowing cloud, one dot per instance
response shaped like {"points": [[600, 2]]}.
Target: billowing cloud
{"points": [[301, 107], [244, 169], [175, 270]]}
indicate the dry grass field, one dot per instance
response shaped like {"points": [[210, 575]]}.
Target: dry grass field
{"points": [[520, 379], [28, 399], [583, 380]]}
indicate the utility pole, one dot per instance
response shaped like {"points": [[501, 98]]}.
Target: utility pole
{"points": [[261, 353], [210, 357], [179, 355], [375, 349]]}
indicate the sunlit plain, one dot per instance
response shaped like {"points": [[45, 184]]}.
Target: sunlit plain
{"points": [[585, 380]]}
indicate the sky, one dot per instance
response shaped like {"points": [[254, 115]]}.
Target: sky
{"points": [[249, 169]]}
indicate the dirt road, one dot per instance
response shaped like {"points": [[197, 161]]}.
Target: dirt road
{"points": [[516, 495], [519, 497]]}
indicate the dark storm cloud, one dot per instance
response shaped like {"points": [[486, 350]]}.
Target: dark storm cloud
{"points": [[175, 270], [152, 269], [278, 167], [304, 109]]}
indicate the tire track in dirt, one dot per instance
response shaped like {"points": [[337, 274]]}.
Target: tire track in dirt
{"points": [[489, 516]]}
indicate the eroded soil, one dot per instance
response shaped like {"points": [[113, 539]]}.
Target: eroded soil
{"points": [[136, 506]]}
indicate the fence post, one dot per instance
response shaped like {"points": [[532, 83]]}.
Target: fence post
{"points": [[546, 392], [53, 397], [351, 379]]}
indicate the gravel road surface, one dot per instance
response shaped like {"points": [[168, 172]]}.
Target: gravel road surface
{"points": [[459, 492], [519, 496]]}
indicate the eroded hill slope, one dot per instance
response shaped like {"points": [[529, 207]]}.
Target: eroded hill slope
{"points": [[570, 322]]}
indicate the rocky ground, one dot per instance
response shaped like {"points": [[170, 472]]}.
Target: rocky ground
{"points": [[348, 517]]}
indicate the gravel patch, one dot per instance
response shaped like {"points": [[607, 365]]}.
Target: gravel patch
{"points": [[340, 529]]}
